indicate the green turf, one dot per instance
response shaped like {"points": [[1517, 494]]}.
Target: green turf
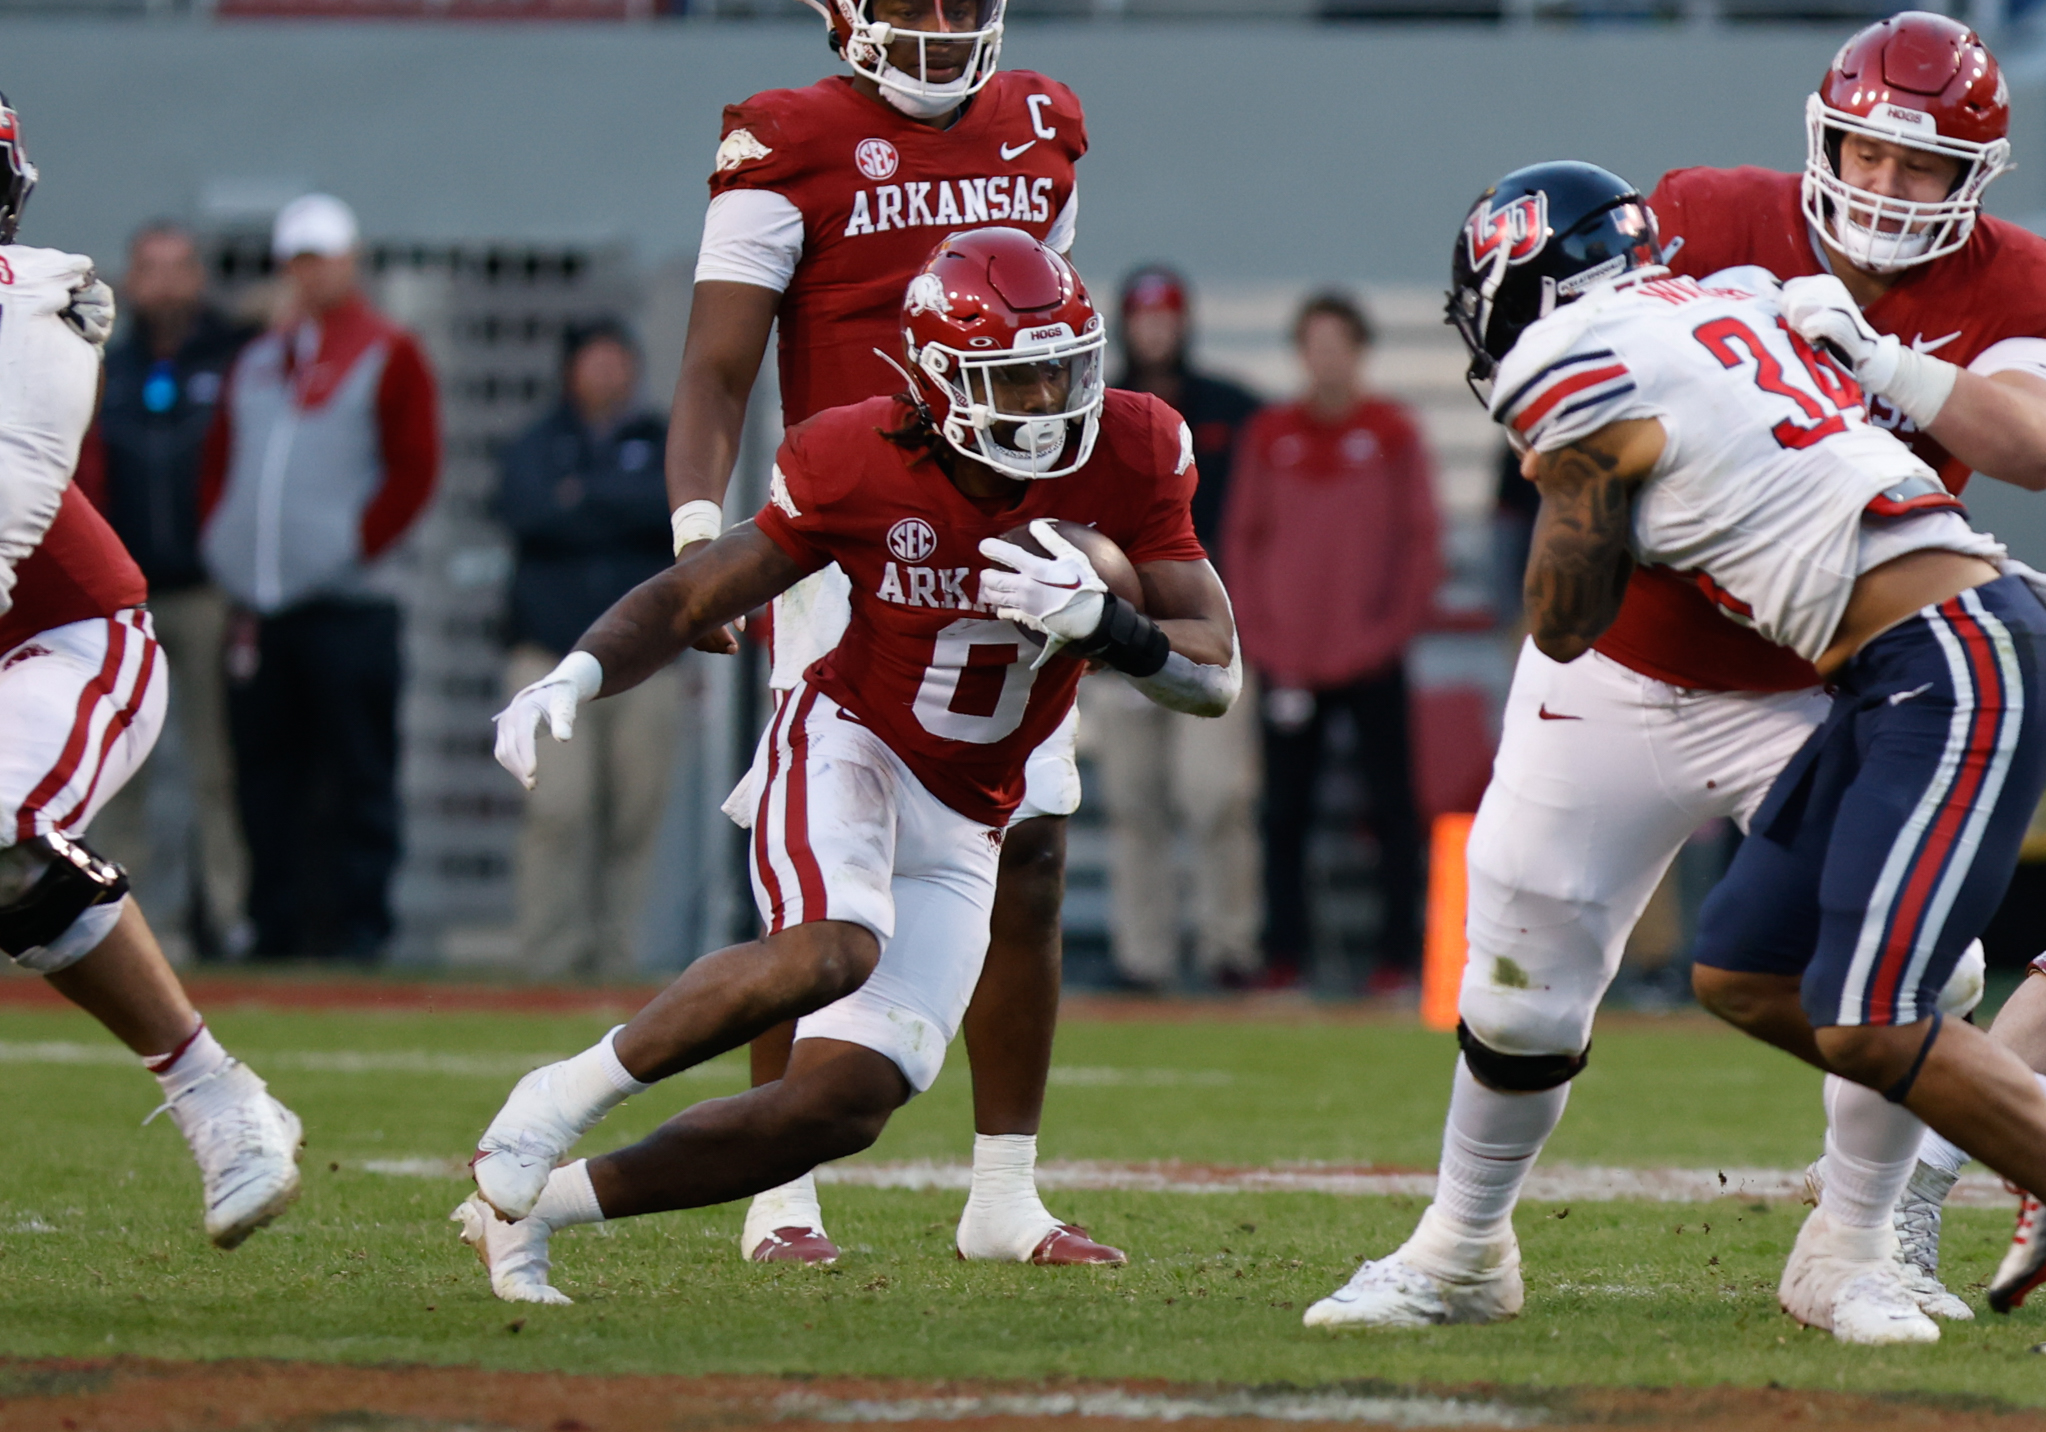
{"points": [[99, 1250]]}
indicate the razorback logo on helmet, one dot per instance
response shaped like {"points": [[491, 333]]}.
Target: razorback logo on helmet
{"points": [[927, 295], [1522, 226], [876, 158]]}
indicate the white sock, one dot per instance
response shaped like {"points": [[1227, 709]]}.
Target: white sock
{"points": [[607, 1060], [1936, 1150], [1004, 1219], [568, 1198], [1871, 1148], [199, 1057], [792, 1205], [1489, 1145]]}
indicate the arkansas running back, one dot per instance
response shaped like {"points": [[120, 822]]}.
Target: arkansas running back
{"points": [[824, 201], [891, 771]]}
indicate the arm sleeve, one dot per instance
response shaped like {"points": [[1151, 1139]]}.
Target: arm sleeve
{"points": [[409, 425], [2012, 355], [49, 382], [1066, 227], [751, 236]]}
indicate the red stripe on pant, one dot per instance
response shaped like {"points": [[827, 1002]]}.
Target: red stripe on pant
{"points": [[761, 860], [809, 876], [96, 691], [1931, 860], [121, 722]]}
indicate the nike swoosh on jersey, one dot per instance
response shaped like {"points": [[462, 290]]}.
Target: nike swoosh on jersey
{"points": [[1898, 698], [1009, 153], [1919, 345], [1547, 715]]}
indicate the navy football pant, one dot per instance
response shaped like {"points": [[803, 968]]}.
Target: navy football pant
{"points": [[1888, 841]]}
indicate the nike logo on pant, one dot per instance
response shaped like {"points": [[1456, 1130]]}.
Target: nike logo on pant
{"points": [[1547, 715]]}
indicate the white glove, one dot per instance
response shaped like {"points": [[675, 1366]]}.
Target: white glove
{"points": [[1823, 312], [554, 697], [1061, 595], [91, 314]]}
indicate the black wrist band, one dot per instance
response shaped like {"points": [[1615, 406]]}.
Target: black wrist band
{"points": [[1126, 639]]}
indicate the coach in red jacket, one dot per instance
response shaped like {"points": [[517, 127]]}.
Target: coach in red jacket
{"points": [[323, 453], [1330, 548]]}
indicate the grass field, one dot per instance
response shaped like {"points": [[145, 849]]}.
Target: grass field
{"points": [[100, 1252]]}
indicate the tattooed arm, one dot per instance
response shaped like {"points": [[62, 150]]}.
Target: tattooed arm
{"points": [[1578, 567]]}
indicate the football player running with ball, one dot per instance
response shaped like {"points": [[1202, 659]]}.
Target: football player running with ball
{"points": [[82, 692], [1941, 312], [825, 200], [892, 771], [1688, 428]]}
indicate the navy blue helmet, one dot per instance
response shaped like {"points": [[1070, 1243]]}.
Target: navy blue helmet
{"points": [[1538, 238]]}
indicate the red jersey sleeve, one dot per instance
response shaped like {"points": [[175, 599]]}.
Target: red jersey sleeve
{"points": [[804, 511], [408, 426], [1063, 115], [1165, 531], [758, 147]]}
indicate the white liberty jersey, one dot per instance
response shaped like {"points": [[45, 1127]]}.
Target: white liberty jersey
{"points": [[1770, 463], [49, 383]]}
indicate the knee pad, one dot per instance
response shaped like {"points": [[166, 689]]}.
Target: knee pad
{"points": [[1517, 1073], [58, 899]]}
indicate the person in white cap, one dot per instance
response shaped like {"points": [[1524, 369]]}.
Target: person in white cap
{"points": [[323, 452]]}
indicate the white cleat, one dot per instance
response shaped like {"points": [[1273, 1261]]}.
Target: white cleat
{"points": [[1917, 1221], [1435, 1277], [538, 1125], [1846, 1280], [514, 1254], [247, 1146]]}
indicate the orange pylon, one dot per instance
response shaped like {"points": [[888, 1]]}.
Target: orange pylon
{"points": [[1448, 894]]}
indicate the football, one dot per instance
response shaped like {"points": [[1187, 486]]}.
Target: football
{"points": [[1108, 561]]}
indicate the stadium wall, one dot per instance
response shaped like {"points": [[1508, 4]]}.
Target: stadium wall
{"points": [[1244, 150]]}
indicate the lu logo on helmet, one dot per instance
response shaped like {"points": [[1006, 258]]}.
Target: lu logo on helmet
{"points": [[1522, 227]]}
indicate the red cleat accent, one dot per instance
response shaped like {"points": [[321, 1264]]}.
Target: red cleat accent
{"points": [[1069, 1246], [796, 1245]]}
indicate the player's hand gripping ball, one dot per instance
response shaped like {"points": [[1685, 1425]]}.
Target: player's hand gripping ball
{"points": [[1825, 314], [1058, 578]]}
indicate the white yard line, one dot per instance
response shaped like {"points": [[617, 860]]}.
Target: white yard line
{"points": [[1561, 1183], [1165, 1407]]}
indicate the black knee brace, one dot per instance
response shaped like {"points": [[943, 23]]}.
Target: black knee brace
{"points": [[51, 880], [1517, 1073]]}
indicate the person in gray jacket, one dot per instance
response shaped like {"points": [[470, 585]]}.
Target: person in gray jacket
{"points": [[323, 452]]}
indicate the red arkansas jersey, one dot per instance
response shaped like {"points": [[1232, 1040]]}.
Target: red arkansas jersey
{"points": [[1956, 306], [943, 681], [877, 191], [78, 571]]}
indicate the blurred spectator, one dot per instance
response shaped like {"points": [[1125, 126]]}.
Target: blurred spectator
{"points": [[1330, 552], [1163, 773], [584, 497], [322, 454], [174, 827]]}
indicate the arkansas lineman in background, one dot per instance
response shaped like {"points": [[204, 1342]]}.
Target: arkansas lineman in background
{"points": [[1941, 311], [825, 201], [894, 769], [82, 692]]}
